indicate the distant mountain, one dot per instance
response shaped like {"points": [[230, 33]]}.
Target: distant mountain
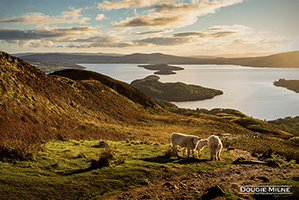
{"points": [[282, 60], [80, 54]]}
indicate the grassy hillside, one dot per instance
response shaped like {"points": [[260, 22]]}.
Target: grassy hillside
{"points": [[288, 124], [36, 107], [47, 66]]}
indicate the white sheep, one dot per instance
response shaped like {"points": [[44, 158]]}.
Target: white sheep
{"points": [[215, 146], [184, 141], [201, 144]]}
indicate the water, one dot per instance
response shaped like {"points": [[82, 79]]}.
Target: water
{"points": [[247, 89]]}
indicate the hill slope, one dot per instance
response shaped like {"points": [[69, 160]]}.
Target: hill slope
{"points": [[282, 60], [37, 107]]}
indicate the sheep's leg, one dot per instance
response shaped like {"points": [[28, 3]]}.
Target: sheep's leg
{"points": [[218, 154], [212, 153], [175, 151], [194, 153]]}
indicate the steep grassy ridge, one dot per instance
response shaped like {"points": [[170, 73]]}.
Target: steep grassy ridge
{"points": [[37, 107], [121, 87]]}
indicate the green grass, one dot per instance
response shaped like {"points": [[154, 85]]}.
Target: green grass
{"points": [[64, 169], [228, 195]]}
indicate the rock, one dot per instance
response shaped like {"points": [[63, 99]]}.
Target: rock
{"points": [[167, 184], [239, 160], [102, 144], [175, 187], [263, 178], [145, 182], [192, 188], [146, 197], [213, 192], [182, 185]]}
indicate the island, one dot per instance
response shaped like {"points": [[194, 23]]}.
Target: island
{"points": [[163, 69], [176, 92], [289, 84]]}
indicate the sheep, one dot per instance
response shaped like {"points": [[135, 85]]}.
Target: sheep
{"points": [[201, 144], [184, 141], [215, 145]]}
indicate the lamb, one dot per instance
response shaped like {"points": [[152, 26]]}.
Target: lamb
{"points": [[201, 144], [184, 141], [215, 146]]}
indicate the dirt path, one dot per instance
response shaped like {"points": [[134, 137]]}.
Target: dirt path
{"points": [[198, 185]]}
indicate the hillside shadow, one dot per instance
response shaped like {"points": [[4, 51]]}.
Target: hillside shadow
{"points": [[78, 171], [179, 160], [95, 164]]}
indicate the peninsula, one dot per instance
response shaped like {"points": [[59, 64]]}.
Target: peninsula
{"points": [[289, 84], [152, 87], [163, 69]]}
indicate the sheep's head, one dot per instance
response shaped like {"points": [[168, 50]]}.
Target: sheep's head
{"points": [[201, 144]]}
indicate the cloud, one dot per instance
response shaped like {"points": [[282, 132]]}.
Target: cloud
{"points": [[68, 17], [151, 32], [204, 35], [102, 41], [100, 17], [75, 36], [35, 43], [270, 42], [241, 29], [194, 37], [217, 32], [174, 15], [115, 5], [48, 33], [161, 41]]}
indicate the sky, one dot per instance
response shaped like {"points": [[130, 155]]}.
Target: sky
{"points": [[176, 27]]}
